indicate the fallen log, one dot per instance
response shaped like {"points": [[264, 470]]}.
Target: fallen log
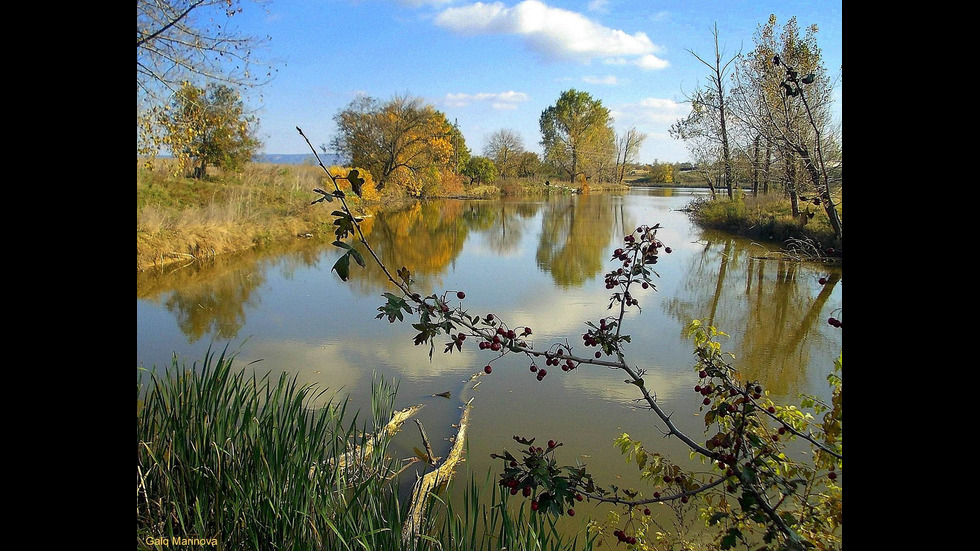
{"points": [[432, 481]]}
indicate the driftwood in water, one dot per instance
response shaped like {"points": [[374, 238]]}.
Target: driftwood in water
{"points": [[433, 480], [393, 426]]}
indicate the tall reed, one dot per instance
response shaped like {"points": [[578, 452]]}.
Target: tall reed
{"points": [[230, 460]]}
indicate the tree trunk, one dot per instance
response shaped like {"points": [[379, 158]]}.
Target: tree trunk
{"points": [[765, 181], [794, 199], [823, 188]]}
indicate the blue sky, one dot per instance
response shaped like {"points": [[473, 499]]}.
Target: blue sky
{"points": [[498, 65]]}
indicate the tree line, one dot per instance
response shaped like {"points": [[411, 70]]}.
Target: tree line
{"points": [[761, 120]]}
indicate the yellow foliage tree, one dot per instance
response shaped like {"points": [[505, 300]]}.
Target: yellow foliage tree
{"points": [[369, 191], [208, 127], [399, 141]]}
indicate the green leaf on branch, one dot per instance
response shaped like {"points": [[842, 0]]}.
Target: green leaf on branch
{"points": [[342, 266], [355, 181], [393, 308], [731, 538]]}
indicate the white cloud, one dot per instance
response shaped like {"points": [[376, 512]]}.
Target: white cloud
{"points": [[610, 80], [419, 3], [651, 62], [499, 100], [598, 5], [655, 112], [554, 32]]}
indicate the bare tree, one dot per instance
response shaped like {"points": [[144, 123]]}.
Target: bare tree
{"points": [[627, 148], [710, 116], [504, 147]]}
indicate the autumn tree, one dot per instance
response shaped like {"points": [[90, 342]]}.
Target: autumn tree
{"points": [[180, 41], [504, 147], [576, 132], [208, 127], [784, 95], [402, 141]]}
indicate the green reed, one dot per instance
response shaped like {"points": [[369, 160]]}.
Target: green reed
{"points": [[239, 461]]}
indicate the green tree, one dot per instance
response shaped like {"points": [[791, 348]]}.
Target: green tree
{"points": [[576, 132], [208, 127], [528, 164], [480, 170], [180, 41]]}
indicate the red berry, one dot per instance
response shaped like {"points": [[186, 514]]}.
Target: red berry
{"points": [[533, 368], [488, 369], [646, 511], [571, 512], [534, 505], [526, 491], [578, 497], [461, 295], [667, 250], [552, 443], [822, 281], [832, 475]]}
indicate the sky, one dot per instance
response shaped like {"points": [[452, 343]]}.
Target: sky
{"points": [[497, 65]]}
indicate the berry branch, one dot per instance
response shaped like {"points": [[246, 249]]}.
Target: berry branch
{"points": [[774, 495]]}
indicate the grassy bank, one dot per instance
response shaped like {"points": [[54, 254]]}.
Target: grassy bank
{"points": [[181, 218], [226, 460], [769, 218]]}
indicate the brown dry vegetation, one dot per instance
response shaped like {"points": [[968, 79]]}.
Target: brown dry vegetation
{"points": [[183, 218], [186, 219]]}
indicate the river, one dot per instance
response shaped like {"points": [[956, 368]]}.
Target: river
{"points": [[532, 262]]}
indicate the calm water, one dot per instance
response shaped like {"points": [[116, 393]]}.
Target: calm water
{"points": [[538, 263]]}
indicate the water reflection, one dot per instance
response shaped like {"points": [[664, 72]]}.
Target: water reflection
{"points": [[772, 307], [574, 237], [540, 262]]}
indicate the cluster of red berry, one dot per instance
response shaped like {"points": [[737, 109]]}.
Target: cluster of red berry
{"points": [[624, 537]]}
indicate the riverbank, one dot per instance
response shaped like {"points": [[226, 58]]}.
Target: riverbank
{"points": [[185, 219], [770, 218]]}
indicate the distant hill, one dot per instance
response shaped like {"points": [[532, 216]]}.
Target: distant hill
{"points": [[296, 159]]}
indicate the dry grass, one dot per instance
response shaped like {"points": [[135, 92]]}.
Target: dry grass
{"points": [[181, 218]]}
